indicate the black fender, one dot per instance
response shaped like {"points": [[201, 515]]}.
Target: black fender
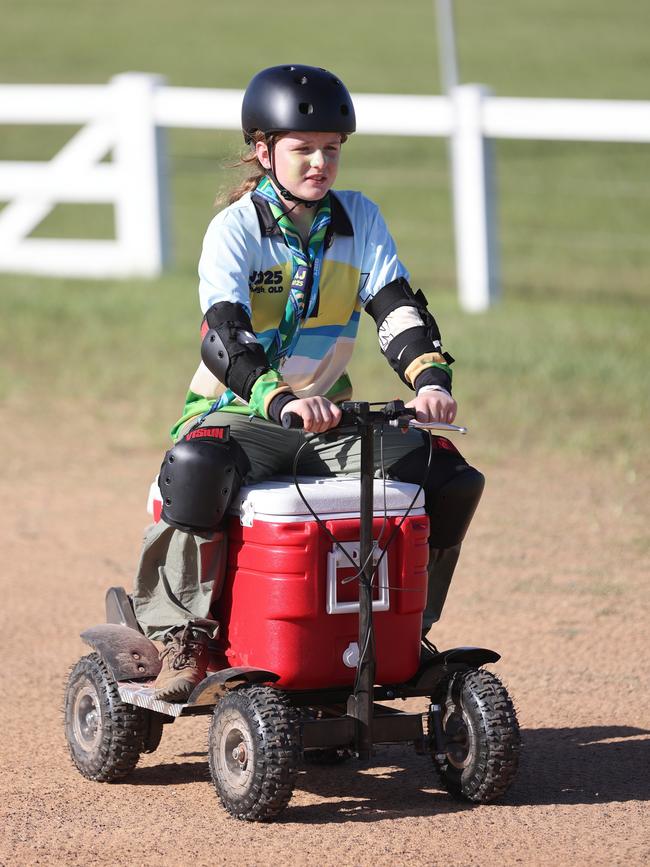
{"points": [[437, 665], [128, 653], [119, 608], [213, 687]]}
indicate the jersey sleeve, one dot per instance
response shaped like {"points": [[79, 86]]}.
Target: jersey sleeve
{"points": [[380, 264], [229, 255], [225, 263]]}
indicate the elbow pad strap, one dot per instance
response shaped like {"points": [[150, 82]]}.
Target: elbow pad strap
{"points": [[230, 349], [399, 293], [432, 375], [409, 336], [412, 351]]}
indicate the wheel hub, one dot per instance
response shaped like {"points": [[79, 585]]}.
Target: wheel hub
{"points": [[240, 754], [87, 718], [235, 754], [459, 738]]}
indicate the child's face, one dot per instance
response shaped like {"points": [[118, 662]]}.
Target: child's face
{"points": [[306, 163]]}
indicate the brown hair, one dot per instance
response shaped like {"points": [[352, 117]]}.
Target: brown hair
{"points": [[255, 175]]}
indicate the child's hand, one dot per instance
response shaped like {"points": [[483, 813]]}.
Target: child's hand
{"points": [[317, 413], [434, 406]]}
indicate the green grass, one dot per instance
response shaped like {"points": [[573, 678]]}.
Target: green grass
{"points": [[587, 48], [560, 364], [535, 373]]}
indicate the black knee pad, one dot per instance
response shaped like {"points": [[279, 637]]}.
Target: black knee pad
{"points": [[198, 479], [453, 506]]}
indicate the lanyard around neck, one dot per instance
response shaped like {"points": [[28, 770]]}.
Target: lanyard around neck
{"points": [[307, 260]]}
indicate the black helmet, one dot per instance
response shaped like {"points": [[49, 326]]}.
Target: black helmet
{"points": [[301, 98]]}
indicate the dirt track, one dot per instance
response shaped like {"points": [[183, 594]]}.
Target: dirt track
{"points": [[554, 576]]}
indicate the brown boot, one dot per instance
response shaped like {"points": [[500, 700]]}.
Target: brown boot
{"points": [[184, 664]]}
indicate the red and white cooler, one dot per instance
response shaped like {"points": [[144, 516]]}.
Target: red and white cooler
{"points": [[286, 605]]}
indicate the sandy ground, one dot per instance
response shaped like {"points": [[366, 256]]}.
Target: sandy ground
{"points": [[554, 576]]}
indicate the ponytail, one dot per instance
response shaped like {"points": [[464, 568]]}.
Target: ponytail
{"points": [[255, 175]]}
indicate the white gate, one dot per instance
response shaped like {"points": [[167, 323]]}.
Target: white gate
{"points": [[130, 114], [118, 120]]}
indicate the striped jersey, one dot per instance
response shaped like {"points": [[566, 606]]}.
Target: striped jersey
{"points": [[245, 260]]}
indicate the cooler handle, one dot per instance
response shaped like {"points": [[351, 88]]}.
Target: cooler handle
{"points": [[336, 559]]}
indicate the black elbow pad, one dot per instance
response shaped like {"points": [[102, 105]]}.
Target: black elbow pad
{"points": [[404, 338], [230, 350], [396, 294]]}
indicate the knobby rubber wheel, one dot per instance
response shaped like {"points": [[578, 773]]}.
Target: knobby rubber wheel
{"points": [[253, 752], [154, 731], [483, 743], [105, 736]]}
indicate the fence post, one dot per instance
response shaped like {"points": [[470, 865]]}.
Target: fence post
{"points": [[141, 209], [474, 201]]}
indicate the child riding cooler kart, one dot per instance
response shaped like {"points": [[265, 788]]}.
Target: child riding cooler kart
{"points": [[285, 271]]}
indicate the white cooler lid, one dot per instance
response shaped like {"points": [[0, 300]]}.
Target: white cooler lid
{"points": [[278, 501]]}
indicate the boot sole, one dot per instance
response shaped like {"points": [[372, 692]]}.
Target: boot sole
{"points": [[178, 693]]}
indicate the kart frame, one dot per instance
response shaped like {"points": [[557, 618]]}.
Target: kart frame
{"points": [[346, 718]]}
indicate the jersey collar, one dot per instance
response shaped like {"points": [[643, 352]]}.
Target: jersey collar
{"points": [[339, 225]]}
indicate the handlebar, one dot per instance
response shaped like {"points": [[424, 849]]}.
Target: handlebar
{"points": [[358, 414]]}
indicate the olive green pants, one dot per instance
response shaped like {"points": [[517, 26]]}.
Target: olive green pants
{"points": [[180, 574]]}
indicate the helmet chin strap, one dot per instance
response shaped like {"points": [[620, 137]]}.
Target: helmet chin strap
{"points": [[284, 192]]}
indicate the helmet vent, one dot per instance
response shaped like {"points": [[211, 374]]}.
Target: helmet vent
{"points": [[288, 68], [303, 80], [345, 111], [306, 108], [335, 81]]}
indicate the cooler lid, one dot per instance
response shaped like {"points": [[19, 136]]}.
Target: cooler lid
{"points": [[278, 501]]}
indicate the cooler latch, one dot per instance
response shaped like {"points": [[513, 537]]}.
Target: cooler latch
{"points": [[336, 560]]}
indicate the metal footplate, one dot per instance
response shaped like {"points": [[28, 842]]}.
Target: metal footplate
{"points": [[143, 695], [204, 697]]}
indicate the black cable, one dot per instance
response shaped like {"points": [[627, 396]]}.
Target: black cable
{"points": [[366, 641], [396, 529], [359, 567], [376, 542], [359, 574], [318, 520]]}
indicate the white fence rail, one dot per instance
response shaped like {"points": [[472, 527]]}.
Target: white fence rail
{"points": [[118, 120], [128, 116]]}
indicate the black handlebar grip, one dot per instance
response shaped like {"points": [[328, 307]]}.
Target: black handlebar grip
{"points": [[291, 420]]}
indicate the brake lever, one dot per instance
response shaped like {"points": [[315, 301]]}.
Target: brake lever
{"points": [[437, 425]]}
